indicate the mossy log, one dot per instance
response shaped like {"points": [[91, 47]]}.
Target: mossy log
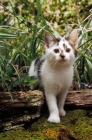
{"points": [[26, 106], [21, 109]]}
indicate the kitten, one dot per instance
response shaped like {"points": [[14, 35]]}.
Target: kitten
{"points": [[54, 72]]}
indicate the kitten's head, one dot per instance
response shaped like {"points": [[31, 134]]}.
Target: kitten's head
{"points": [[60, 50]]}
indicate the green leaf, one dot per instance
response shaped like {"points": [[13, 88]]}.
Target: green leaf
{"points": [[89, 63], [6, 34], [9, 71], [33, 80], [5, 78]]}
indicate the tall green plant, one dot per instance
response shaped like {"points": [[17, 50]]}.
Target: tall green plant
{"points": [[84, 59], [21, 42]]}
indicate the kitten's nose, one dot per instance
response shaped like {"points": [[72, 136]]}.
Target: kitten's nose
{"points": [[62, 56]]}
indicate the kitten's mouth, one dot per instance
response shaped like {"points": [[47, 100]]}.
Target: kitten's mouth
{"points": [[62, 60]]}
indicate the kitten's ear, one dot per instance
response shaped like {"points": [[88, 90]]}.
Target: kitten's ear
{"points": [[73, 38], [49, 39]]}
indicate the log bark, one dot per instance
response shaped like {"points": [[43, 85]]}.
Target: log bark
{"points": [[23, 108], [79, 99]]}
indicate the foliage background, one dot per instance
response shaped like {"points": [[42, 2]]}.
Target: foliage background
{"points": [[22, 26]]}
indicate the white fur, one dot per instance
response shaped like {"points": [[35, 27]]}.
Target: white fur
{"points": [[56, 77]]}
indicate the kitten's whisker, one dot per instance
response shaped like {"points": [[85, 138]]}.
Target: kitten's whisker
{"points": [[53, 62]]}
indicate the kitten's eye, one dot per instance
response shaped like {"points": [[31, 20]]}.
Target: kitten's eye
{"points": [[56, 50], [68, 49]]}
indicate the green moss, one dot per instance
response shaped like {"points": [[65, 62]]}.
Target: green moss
{"points": [[80, 123], [76, 125]]}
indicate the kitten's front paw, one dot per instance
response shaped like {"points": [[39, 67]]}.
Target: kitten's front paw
{"points": [[62, 112], [54, 119]]}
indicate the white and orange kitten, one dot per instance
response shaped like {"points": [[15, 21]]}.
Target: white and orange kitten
{"points": [[54, 71]]}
